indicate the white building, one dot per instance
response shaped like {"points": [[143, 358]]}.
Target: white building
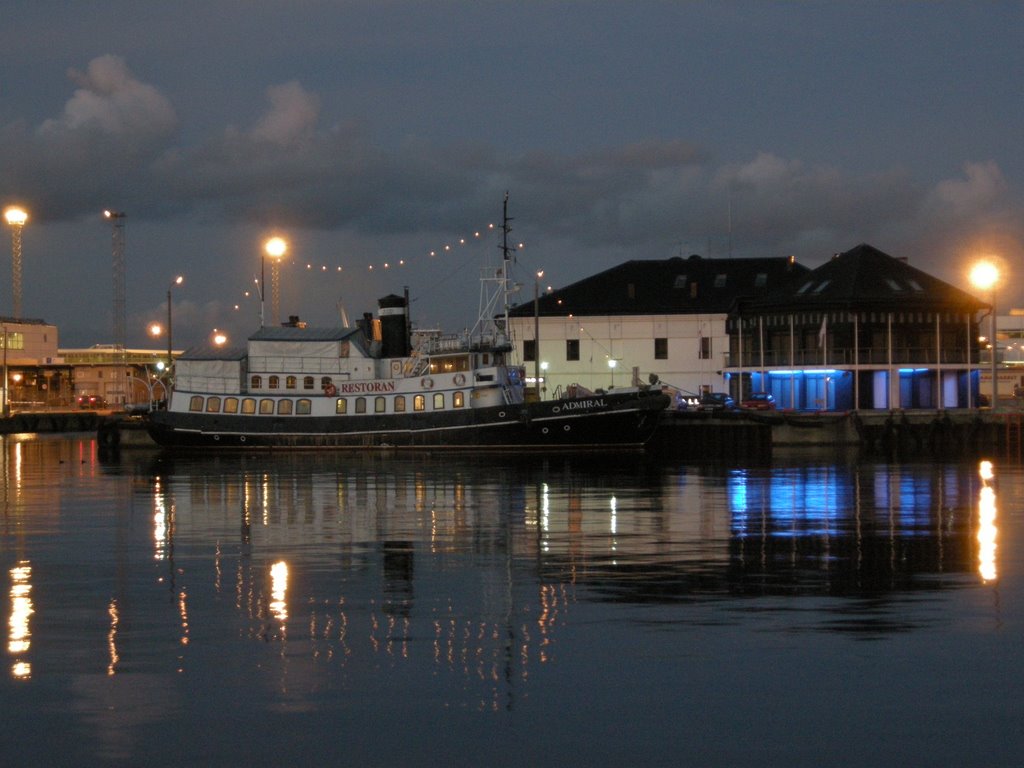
{"points": [[664, 318]]}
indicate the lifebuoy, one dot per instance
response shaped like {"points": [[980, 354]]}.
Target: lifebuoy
{"points": [[426, 382], [330, 390], [459, 379]]}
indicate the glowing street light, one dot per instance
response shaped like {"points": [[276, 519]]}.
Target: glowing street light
{"points": [[275, 248], [985, 277], [219, 338], [170, 353], [16, 218], [612, 364]]}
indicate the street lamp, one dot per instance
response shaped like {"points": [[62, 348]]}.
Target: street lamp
{"points": [[275, 248], [611, 365], [218, 338], [985, 276], [170, 353], [16, 218], [536, 332]]}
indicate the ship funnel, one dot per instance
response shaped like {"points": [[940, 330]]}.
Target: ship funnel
{"points": [[394, 326]]}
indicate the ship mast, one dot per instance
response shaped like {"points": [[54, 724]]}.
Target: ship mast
{"points": [[507, 252]]}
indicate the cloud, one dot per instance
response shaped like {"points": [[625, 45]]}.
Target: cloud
{"points": [[111, 101], [292, 116]]}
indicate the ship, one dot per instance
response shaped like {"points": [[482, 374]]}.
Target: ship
{"points": [[379, 385]]}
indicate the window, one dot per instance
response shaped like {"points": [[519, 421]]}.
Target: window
{"points": [[360, 405], [230, 405], [661, 349], [256, 382], [213, 405], [399, 403], [720, 279], [304, 406], [529, 350], [266, 406], [341, 406], [458, 399], [705, 348], [419, 403], [572, 349], [680, 281], [438, 401], [307, 382], [631, 290], [274, 382], [249, 405], [761, 280], [379, 404], [324, 382], [195, 403], [284, 407], [290, 382], [693, 290]]}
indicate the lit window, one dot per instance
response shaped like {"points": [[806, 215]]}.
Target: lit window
{"points": [[266, 406], [438, 401], [213, 405], [249, 405], [195, 403], [303, 407], [458, 399], [290, 382], [274, 382], [419, 403], [256, 382], [230, 405], [341, 406], [399, 403]]}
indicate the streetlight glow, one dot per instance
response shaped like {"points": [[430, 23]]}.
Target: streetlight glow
{"points": [[16, 218], [985, 276], [275, 248]]}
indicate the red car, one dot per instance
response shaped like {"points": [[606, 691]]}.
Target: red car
{"points": [[759, 401]]}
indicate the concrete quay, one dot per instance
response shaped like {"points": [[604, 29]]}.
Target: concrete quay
{"points": [[905, 433]]}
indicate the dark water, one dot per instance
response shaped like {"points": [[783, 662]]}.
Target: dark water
{"points": [[428, 610]]}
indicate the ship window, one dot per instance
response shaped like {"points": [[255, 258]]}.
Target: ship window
{"points": [[360, 405], [290, 382], [379, 404], [341, 406], [284, 407], [458, 399], [307, 382], [274, 382], [249, 405], [438, 401], [399, 403], [266, 406], [304, 406], [324, 381], [419, 403], [485, 358], [257, 382], [230, 405], [213, 405], [195, 403]]}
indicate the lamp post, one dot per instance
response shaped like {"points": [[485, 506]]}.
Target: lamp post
{"points": [[612, 363], [536, 332], [275, 248], [985, 276], [16, 218], [170, 352]]}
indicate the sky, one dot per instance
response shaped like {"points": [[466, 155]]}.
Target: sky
{"points": [[380, 139]]}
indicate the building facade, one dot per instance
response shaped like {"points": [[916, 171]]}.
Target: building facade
{"points": [[863, 331], [642, 319]]}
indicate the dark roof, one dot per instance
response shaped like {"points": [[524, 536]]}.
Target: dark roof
{"points": [[213, 353], [692, 285], [865, 277], [293, 333]]}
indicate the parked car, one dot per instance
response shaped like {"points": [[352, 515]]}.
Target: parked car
{"points": [[715, 401], [91, 401], [759, 401]]}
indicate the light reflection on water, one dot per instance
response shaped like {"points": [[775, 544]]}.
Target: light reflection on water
{"points": [[148, 590]]}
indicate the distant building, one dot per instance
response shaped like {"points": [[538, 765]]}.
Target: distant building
{"points": [[862, 331], [115, 376], [643, 319], [34, 374]]}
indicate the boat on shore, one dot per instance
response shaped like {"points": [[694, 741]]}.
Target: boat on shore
{"points": [[374, 386]]}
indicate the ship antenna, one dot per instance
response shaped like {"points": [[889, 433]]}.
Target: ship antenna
{"points": [[507, 252]]}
